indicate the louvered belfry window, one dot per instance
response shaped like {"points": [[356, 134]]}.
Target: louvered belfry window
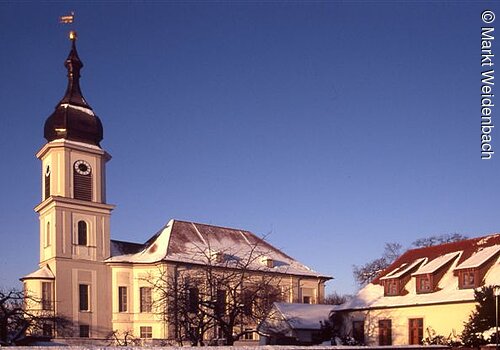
{"points": [[82, 181]]}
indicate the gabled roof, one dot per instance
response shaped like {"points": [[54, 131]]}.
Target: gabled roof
{"points": [[436, 264], [403, 269], [194, 243], [480, 257]]}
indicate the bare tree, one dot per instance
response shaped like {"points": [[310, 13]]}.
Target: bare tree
{"points": [[17, 321], [226, 297], [438, 239], [336, 298], [124, 338], [364, 274]]}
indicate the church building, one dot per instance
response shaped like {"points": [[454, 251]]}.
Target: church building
{"points": [[103, 285]]}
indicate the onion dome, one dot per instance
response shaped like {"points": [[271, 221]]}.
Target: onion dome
{"points": [[73, 119]]}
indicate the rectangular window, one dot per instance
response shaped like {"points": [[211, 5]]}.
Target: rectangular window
{"points": [[358, 331], [84, 331], [47, 330], [249, 334], [82, 232], [416, 331], [122, 299], [306, 295], [47, 235], [220, 306], [384, 332], [468, 279], [391, 287], [84, 297], [193, 299], [46, 295], [423, 284], [146, 332], [248, 303], [145, 294], [47, 182]]}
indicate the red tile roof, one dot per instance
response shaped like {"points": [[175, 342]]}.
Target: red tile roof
{"points": [[467, 247]]}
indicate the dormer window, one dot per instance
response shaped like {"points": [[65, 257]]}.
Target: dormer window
{"points": [[471, 271], [216, 257], [395, 281], [467, 279], [427, 277], [391, 287], [267, 261], [424, 284]]}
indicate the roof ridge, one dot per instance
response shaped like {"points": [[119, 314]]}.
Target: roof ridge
{"points": [[122, 241], [211, 225], [447, 244]]}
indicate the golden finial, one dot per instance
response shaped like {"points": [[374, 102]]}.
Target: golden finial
{"points": [[69, 19]]}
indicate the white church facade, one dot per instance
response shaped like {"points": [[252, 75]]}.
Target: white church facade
{"points": [[100, 284]]}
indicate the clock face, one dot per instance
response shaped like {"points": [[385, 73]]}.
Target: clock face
{"points": [[82, 167]]}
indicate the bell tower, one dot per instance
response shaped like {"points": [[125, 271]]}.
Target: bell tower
{"points": [[74, 216]]}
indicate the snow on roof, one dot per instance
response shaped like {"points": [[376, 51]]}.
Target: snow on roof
{"points": [[479, 257], [153, 251], [493, 274], [304, 316], [76, 143], [403, 269], [42, 273], [284, 318], [372, 296], [468, 248], [189, 242], [78, 108], [436, 264], [123, 248], [447, 291]]}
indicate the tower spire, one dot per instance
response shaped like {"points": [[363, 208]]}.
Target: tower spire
{"points": [[73, 118], [73, 64]]}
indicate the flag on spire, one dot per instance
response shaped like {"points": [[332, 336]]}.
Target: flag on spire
{"points": [[67, 19]]}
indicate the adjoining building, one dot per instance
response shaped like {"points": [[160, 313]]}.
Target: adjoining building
{"points": [[295, 324], [425, 292], [101, 284]]}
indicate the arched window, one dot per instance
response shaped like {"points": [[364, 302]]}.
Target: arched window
{"points": [[82, 180], [82, 232], [47, 235], [47, 182]]}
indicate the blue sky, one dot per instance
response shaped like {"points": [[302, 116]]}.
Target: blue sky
{"points": [[333, 126]]}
